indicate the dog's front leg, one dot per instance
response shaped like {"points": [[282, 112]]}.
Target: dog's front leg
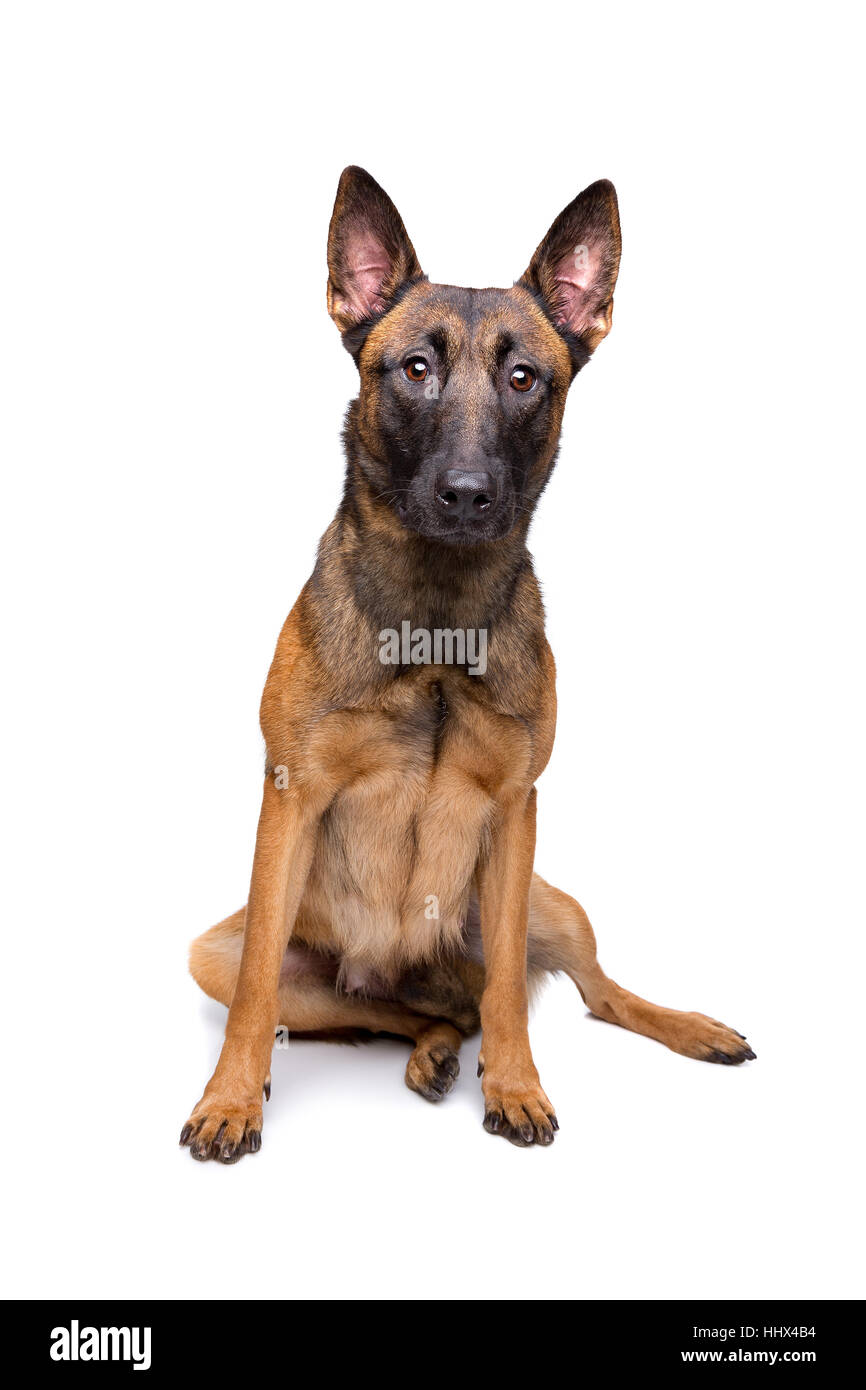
{"points": [[227, 1122], [515, 1106]]}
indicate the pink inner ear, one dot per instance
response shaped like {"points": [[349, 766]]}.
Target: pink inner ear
{"points": [[367, 269], [577, 278]]}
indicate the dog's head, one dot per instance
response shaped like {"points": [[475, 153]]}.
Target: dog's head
{"points": [[462, 391]]}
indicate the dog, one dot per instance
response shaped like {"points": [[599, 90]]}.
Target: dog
{"points": [[393, 889]]}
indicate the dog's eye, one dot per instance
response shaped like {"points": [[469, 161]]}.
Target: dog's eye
{"points": [[523, 378], [415, 369]]}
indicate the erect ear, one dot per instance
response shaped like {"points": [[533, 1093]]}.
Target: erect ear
{"points": [[370, 255], [574, 269]]}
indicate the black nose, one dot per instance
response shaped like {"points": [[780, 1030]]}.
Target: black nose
{"points": [[465, 495]]}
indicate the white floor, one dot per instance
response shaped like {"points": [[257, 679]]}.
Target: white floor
{"points": [[668, 1178]]}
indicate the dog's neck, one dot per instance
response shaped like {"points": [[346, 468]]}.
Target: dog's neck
{"points": [[373, 575], [396, 574]]}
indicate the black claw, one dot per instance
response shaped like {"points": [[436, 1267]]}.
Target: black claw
{"points": [[545, 1136], [480, 1067], [185, 1134], [523, 1137], [267, 1089], [219, 1134], [726, 1059], [445, 1068], [554, 1121], [518, 1136], [254, 1139]]}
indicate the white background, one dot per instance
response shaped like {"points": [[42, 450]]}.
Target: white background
{"points": [[172, 397]]}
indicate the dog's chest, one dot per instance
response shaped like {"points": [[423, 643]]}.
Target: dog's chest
{"points": [[398, 847]]}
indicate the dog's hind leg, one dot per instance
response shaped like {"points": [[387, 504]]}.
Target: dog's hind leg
{"points": [[311, 1006], [561, 939]]}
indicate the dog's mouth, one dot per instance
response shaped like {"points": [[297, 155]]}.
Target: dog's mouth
{"points": [[434, 526]]}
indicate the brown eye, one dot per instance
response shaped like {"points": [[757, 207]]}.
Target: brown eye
{"points": [[416, 369], [523, 379]]}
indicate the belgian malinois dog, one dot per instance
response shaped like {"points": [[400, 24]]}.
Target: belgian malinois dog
{"points": [[410, 706]]}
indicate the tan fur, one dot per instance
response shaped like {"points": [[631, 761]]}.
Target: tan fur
{"points": [[389, 794]]}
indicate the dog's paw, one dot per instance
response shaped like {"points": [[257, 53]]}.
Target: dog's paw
{"points": [[521, 1114], [432, 1071], [707, 1040], [223, 1128]]}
